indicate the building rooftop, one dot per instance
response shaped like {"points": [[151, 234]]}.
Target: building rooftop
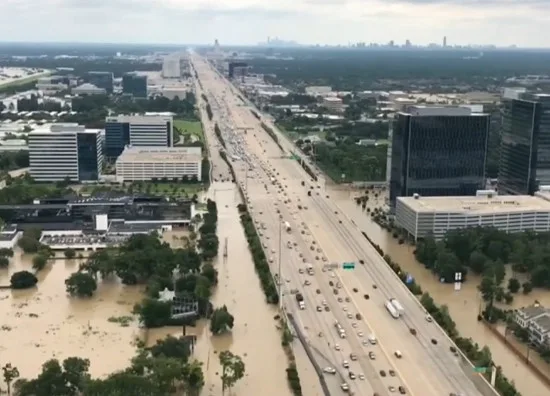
{"points": [[160, 154], [543, 322], [532, 311], [477, 205]]}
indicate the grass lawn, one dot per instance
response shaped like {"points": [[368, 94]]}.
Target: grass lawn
{"points": [[187, 129], [23, 80]]}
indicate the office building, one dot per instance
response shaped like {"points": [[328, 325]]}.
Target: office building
{"points": [[158, 163], [535, 319], [438, 151], [171, 66], [135, 85], [237, 69], [137, 130], [65, 151], [525, 147], [88, 89], [101, 79], [434, 216], [333, 103]]}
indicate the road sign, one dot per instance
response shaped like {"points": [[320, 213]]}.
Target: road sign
{"points": [[348, 266], [482, 370]]}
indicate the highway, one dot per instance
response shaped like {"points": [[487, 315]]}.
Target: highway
{"points": [[321, 235]]}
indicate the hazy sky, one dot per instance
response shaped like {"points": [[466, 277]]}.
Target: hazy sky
{"points": [[501, 22]]}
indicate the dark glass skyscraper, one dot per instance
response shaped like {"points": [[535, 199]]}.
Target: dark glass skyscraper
{"points": [[135, 85], [525, 148], [438, 151], [101, 79], [90, 158]]}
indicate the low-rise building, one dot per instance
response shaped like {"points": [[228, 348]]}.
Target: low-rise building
{"points": [[148, 163], [536, 320], [435, 216], [88, 89], [333, 103], [318, 90]]}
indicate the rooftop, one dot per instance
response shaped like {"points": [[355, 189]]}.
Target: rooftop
{"points": [[543, 322], [532, 311], [477, 205], [161, 154]]}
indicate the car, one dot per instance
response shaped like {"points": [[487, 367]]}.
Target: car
{"points": [[335, 291], [382, 373], [360, 334], [361, 377], [344, 308], [300, 270], [340, 299], [348, 299], [330, 283], [307, 282], [344, 387], [398, 354], [402, 390], [374, 287], [324, 303], [365, 342], [319, 309], [358, 316], [355, 290], [351, 375], [434, 341], [327, 309], [391, 388], [338, 285], [366, 296], [329, 370], [354, 325], [353, 356], [332, 275], [350, 316], [362, 262], [428, 318], [372, 356], [345, 364], [392, 373], [336, 347]]}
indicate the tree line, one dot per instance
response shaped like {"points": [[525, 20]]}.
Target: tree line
{"points": [[11, 160], [480, 357]]}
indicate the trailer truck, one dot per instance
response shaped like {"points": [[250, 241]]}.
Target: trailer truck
{"points": [[300, 300], [391, 309]]}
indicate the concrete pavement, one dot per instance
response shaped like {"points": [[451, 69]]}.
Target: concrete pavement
{"points": [[426, 368]]}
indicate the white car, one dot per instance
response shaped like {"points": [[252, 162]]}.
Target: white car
{"points": [[360, 334], [350, 316], [344, 308], [354, 325], [345, 364], [365, 342], [329, 370], [428, 318], [336, 347], [361, 377], [325, 303]]}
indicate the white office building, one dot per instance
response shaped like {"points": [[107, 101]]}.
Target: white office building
{"points": [[65, 151], [149, 163], [434, 216], [171, 67]]}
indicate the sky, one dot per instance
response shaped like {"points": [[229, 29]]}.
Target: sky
{"points": [[525, 23]]}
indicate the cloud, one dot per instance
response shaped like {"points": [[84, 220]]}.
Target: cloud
{"points": [[249, 21]]}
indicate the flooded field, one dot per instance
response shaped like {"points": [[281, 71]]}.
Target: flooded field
{"points": [[463, 305], [43, 323], [255, 337]]}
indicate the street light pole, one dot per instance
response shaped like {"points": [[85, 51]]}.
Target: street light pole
{"points": [[280, 254]]}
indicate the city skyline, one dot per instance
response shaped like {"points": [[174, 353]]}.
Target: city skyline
{"points": [[466, 22]]}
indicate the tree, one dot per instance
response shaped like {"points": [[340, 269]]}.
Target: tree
{"points": [[527, 287], [193, 378], [209, 272], [153, 313], [233, 369], [23, 280], [513, 285], [487, 287], [70, 253], [10, 373], [4, 262], [81, 284], [122, 384], [172, 347], [39, 262], [221, 320]]}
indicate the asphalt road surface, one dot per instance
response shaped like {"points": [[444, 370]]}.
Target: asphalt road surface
{"points": [[320, 235]]}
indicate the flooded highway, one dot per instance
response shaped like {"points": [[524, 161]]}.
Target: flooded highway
{"points": [[463, 305]]}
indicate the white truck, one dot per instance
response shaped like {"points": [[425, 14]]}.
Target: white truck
{"points": [[392, 310], [397, 305], [287, 226], [340, 329]]}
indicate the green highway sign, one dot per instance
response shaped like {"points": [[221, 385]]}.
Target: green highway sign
{"points": [[348, 266], [480, 369]]}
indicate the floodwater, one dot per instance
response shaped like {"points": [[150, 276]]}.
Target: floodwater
{"points": [[44, 323], [464, 305], [255, 337]]}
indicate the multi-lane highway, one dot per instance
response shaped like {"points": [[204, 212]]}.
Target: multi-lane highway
{"points": [[279, 191]]}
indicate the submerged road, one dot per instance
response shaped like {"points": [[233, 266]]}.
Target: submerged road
{"points": [[278, 192]]}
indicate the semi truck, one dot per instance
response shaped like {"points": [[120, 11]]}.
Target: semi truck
{"points": [[392, 310], [287, 226], [300, 300]]}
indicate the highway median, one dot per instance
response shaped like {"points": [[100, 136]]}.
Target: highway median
{"points": [[271, 133], [480, 358]]}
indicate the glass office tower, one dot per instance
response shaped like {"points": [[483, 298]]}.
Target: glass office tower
{"points": [[90, 155], [135, 85], [525, 147], [101, 79], [438, 151]]}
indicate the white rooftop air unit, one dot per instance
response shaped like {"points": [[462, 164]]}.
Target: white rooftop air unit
{"points": [[101, 222], [486, 193], [416, 196]]}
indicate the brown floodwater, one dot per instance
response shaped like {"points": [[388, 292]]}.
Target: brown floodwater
{"points": [[44, 323], [463, 305], [255, 336]]}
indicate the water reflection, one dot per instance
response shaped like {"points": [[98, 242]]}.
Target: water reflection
{"points": [[463, 305]]}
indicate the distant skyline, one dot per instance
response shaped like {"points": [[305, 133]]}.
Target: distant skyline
{"points": [[246, 22]]}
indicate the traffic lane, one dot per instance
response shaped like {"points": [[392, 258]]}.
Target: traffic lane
{"points": [[443, 359], [445, 380], [308, 317]]}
